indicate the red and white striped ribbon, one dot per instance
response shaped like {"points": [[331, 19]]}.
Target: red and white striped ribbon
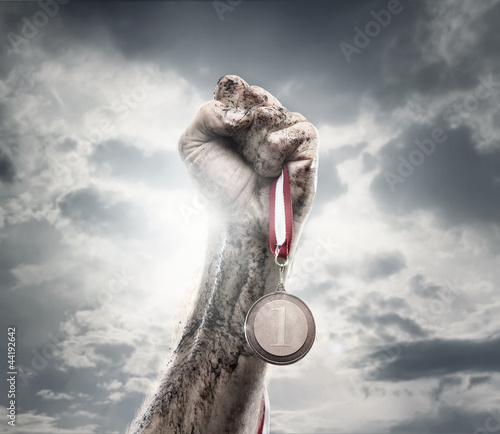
{"points": [[280, 215], [265, 421]]}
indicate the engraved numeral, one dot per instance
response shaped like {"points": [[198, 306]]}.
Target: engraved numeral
{"points": [[281, 327]]}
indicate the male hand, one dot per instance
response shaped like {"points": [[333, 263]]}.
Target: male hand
{"points": [[236, 145]]}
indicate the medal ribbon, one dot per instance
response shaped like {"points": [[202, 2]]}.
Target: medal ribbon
{"points": [[280, 215]]}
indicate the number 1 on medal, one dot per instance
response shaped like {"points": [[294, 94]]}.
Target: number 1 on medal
{"points": [[281, 327]]}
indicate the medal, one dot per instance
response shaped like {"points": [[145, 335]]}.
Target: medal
{"points": [[279, 327]]}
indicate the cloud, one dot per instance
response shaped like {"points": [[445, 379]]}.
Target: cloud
{"points": [[422, 289], [66, 230], [111, 385], [381, 322], [457, 182], [116, 396], [346, 152], [439, 357], [7, 168], [115, 353], [158, 169], [139, 385], [369, 162], [478, 380], [32, 422], [51, 395], [405, 324], [445, 383], [97, 214], [330, 186], [382, 265], [451, 420]]}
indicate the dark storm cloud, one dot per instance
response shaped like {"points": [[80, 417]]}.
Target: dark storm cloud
{"points": [[94, 213], [450, 420], [439, 357], [382, 322], [445, 383], [191, 38], [422, 289], [382, 265], [385, 316], [7, 168], [477, 380], [408, 71], [456, 181], [160, 169], [405, 324], [30, 242]]}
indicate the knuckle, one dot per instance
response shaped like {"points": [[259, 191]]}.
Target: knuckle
{"points": [[207, 108], [314, 134], [296, 117], [228, 88]]}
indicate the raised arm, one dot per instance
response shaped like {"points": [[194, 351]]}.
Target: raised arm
{"points": [[232, 149]]}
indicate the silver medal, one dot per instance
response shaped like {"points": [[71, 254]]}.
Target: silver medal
{"points": [[280, 328]]}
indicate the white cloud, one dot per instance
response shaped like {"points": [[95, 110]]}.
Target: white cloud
{"points": [[116, 396], [137, 384], [113, 385], [31, 422], [51, 395]]}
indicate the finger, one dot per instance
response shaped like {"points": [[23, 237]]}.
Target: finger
{"points": [[265, 121], [255, 96], [229, 90], [299, 146], [296, 144], [212, 120], [234, 91]]}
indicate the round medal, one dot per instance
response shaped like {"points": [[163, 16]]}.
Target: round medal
{"points": [[280, 328]]}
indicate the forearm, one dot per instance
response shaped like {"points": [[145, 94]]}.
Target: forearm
{"points": [[214, 381]]}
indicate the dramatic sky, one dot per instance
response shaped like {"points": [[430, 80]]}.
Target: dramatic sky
{"points": [[399, 260]]}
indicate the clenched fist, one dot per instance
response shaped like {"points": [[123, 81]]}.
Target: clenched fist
{"points": [[233, 149], [237, 143]]}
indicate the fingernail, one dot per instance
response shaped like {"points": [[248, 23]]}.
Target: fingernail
{"points": [[236, 115]]}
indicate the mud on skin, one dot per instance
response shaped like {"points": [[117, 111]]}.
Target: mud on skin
{"points": [[213, 383]]}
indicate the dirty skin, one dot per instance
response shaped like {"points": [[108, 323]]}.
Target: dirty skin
{"points": [[233, 149]]}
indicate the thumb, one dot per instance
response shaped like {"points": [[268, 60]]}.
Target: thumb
{"points": [[214, 119]]}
